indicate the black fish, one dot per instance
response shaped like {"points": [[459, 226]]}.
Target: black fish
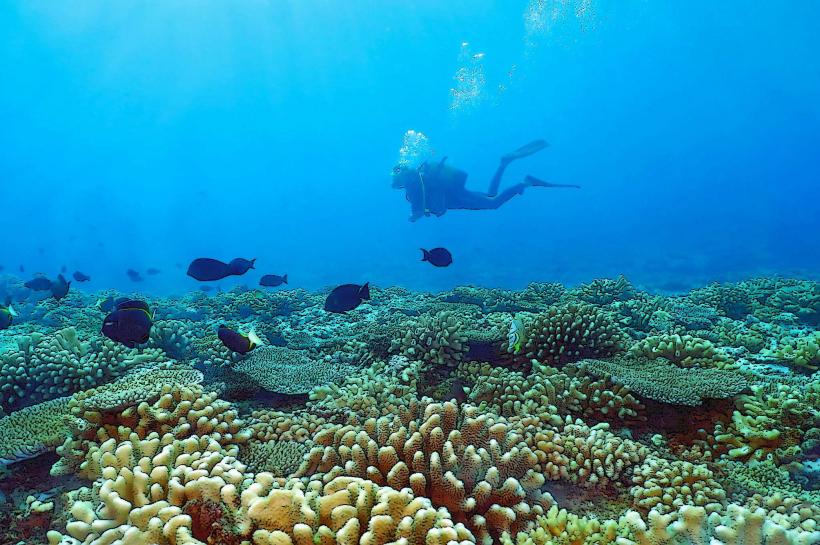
{"points": [[59, 288], [134, 275], [7, 314], [110, 303], [347, 297], [438, 257], [240, 266], [63, 269], [80, 277], [130, 324], [152, 271], [206, 269], [236, 341], [41, 283], [273, 280]]}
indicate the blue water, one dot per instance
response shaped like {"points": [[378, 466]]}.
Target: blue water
{"points": [[140, 135]]}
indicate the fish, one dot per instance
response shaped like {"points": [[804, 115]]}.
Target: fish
{"points": [[347, 297], [63, 269], [273, 280], [59, 288], [458, 391], [135, 276], [130, 324], [110, 303], [39, 283], [438, 257], [236, 341], [206, 289], [240, 266], [516, 335], [7, 314], [22, 268], [206, 269], [80, 277], [152, 271]]}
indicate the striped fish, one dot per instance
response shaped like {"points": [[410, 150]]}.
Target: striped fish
{"points": [[516, 336]]}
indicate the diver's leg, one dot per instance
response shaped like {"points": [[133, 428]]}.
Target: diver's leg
{"points": [[496, 179], [473, 200], [524, 151]]}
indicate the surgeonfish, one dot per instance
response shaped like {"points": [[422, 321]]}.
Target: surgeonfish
{"points": [[59, 288], [130, 324], [516, 335], [81, 277], [238, 342], [438, 257], [347, 297], [273, 280], [38, 283], [240, 266]]}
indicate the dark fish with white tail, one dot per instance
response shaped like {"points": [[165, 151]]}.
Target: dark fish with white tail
{"points": [[237, 342]]}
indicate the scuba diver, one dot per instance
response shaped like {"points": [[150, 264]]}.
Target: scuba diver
{"points": [[437, 188]]}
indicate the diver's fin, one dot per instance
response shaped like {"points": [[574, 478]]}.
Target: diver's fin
{"points": [[254, 338], [535, 182], [526, 150]]}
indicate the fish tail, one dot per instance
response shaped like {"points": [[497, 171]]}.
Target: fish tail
{"points": [[285, 279], [425, 254], [12, 311], [254, 339]]}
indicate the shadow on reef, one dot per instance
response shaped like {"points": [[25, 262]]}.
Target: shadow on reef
{"points": [[605, 415]]}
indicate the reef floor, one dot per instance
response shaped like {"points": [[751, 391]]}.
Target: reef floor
{"points": [[598, 414]]}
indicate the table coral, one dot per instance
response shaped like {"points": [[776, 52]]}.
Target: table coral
{"points": [[285, 371], [663, 381], [34, 430]]}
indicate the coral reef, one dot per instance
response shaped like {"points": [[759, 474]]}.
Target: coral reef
{"points": [[413, 420]]}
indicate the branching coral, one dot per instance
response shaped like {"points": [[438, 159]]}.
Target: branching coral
{"points": [[165, 491], [683, 351], [477, 468], [665, 485], [802, 350], [437, 340], [663, 381], [48, 366], [604, 291]]}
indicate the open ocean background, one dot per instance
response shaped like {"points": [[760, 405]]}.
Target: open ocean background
{"points": [[146, 134]]}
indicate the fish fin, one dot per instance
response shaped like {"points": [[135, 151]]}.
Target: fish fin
{"points": [[425, 254], [12, 311], [254, 338], [253, 262], [364, 291], [285, 279]]}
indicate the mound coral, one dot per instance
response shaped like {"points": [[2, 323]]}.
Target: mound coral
{"points": [[568, 334], [49, 366], [437, 340], [801, 350]]}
